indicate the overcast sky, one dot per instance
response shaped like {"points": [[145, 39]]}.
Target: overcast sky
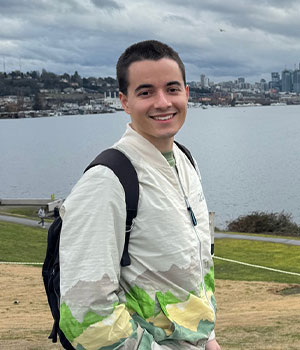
{"points": [[222, 39]]}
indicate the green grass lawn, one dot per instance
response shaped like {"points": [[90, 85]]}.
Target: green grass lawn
{"points": [[273, 255], [30, 212], [28, 244], [21, 243]]}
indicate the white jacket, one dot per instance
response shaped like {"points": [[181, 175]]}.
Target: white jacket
{"points": [[164, 299]]}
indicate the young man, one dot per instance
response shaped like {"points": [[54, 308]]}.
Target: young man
{"points": [[164, 299]]}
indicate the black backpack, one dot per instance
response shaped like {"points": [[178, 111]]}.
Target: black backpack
{"points": [[124, 170]]}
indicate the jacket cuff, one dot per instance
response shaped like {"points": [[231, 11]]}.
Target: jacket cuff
{"points": [[212, 336]]}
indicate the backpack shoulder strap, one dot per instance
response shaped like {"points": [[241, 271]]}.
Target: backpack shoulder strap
{"points": [[186, 152], [125, 171]]}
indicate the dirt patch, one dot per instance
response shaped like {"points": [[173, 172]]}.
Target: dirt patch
{"points": [[252, 315], [25, 321]]}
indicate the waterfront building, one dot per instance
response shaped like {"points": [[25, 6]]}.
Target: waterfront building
{"points": [[202, 80], [287, 80], [296, 81], [275, 83], [263, 85], [275, 76]]}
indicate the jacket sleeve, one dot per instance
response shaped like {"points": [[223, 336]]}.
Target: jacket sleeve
{"points": [[91, 245]]}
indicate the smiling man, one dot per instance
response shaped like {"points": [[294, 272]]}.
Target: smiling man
{"points": [[164, 299]]}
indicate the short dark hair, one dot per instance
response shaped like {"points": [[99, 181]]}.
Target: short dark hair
{"points": [[144, 50]]}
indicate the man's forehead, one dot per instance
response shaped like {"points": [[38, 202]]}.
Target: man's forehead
{"points": [[152, 63], [167, 69]]}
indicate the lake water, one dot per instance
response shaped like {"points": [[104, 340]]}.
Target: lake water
{"points": [[249, 157]]}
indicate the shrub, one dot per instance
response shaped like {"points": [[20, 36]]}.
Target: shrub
{"points": [[261, 222]]}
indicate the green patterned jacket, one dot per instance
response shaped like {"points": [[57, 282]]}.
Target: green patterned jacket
{"points": [[164, 299]]}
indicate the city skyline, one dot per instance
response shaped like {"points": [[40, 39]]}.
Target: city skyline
{"points": [[268, 79], [272, 76], [221, 40]]}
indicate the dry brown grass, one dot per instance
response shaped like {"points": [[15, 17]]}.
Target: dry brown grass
{"points": [[251, 316], [255, 316]]}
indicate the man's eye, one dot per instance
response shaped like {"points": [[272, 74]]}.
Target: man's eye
{"points": [[174, 89], [143, 93]]}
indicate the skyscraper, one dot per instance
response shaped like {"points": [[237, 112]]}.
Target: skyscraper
{"points": [[202, 80], [275, 83], [296, 80], [275, 76], [287, 80]]}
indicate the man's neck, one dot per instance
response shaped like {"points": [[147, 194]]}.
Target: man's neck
{"points": [[164, 145]]}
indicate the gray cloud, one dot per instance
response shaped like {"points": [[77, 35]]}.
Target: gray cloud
{"points": [[89, 35], [13, 8], [177, 19], [111, 4]]}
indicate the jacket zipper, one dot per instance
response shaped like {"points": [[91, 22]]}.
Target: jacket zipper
{"points": [[194, 222], [189, 208]]}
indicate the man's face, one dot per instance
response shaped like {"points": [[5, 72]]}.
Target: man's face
{"points": [[156, 100]]}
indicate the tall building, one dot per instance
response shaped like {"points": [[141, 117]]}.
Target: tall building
{"points": [[287, 81], [202, 80], [263, 85], [276, 82], [296, 80], [275, 76]]}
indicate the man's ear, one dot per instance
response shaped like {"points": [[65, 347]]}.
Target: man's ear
{"points": [[187, 91], [124, 101]]}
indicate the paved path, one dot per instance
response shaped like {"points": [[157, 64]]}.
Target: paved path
{"points": [[256, 238], [34, 223], [23, 221]]}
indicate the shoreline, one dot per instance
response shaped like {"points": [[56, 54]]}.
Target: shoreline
{"points": [[78, 112]]}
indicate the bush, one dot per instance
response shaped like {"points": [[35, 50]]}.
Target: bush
{"points": [[261, 222]]}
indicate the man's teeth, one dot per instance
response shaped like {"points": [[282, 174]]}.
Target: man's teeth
{"points": [[166, 117]]}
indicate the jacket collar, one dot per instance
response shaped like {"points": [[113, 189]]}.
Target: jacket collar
{"points": [[140, 149]]}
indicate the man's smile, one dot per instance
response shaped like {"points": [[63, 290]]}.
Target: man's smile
{"points": [[163, 117]]}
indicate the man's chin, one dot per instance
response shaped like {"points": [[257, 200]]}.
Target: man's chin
{"points": [[169, 135]]}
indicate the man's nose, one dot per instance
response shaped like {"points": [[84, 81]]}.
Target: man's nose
{"points": [[161, 100]]}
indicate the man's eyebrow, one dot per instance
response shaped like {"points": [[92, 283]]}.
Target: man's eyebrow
{"points": [[143, 86], [147, 86], [175, 82]]}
